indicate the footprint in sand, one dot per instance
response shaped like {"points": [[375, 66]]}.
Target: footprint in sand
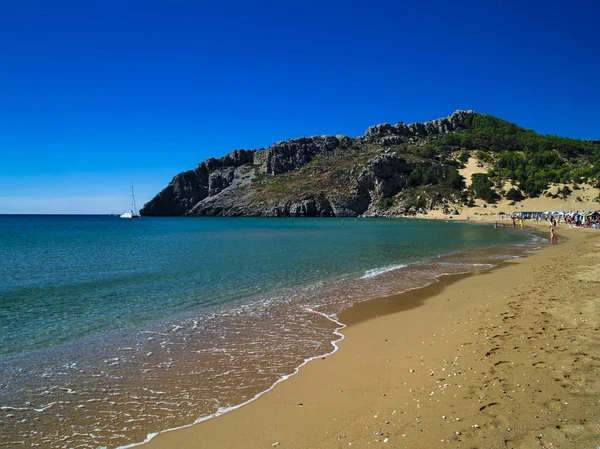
{"points": [[491, 404], [491, 351]]}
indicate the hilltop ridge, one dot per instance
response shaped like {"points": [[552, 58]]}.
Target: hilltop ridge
{"points": [[391, 170]]}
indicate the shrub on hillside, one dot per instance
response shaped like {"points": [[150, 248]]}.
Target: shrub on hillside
{"points": [[464, 156], [564, 192], [514, 195], [482, 188]]}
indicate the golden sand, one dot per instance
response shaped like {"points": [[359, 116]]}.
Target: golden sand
{"points": [[508, 357]]}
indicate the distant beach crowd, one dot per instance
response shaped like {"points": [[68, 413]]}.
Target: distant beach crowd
{"points": [[585, 219]]}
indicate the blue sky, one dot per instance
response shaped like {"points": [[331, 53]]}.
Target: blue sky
{"points": [[96, 95]]}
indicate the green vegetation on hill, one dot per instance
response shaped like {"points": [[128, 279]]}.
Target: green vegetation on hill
{"points": [[533, 161], [529, 160], [482, 188]]}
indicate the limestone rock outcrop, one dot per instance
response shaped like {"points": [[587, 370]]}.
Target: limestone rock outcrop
{"points": [[227, 186], [387, 134]]}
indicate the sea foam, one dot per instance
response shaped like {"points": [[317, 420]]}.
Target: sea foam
{"points": [[377, 271]]}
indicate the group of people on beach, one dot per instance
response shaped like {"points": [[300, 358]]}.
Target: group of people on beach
{"points": [[571, 219], [551, 220], [514, 220], [551, 225], [585, 221], [514, 223], [575, 219]]}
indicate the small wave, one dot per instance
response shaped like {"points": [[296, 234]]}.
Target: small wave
{"points": [[467, 264], [377, 271], [9, 407], [504, 256], [45, 407]]}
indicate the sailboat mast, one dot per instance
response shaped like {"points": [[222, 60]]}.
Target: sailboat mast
{"points": [[133, 206]]}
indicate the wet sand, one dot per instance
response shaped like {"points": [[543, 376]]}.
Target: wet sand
{"points": [[507, 357]]}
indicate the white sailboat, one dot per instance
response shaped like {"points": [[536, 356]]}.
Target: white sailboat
{"points": [[133, 209]]}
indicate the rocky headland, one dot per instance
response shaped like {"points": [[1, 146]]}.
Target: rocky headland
{"points": [[391, 170]]}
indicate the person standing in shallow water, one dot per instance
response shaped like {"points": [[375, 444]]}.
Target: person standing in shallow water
{"points": [[514, 223], [552, 232]]}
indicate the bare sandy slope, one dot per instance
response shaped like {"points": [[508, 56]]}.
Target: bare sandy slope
{"points": [[503, 358], [471, 167], [581, 199]]}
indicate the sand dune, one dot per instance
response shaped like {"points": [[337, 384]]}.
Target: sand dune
{"points": [[582, 198]]}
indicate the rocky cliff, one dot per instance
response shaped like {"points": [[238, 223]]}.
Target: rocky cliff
{"points": [[327, 175], [391, 170]]}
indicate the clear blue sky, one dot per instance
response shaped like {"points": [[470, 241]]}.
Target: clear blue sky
{"points": [[95, 95]]}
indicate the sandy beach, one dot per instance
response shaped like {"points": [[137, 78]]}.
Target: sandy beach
{"points": [[506, 357]]}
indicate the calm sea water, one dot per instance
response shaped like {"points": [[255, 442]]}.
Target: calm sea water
{"points": [[112, 329]]}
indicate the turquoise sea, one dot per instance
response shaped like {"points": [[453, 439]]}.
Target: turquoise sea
{"points": [[114, 329]]}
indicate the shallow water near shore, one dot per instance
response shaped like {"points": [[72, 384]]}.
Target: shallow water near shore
{"points": [[114, 329]]}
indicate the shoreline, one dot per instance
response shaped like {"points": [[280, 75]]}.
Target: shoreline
{"points": [[356, 314], [277, 406], [319, 380], [371, 308], [172, 392]]}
